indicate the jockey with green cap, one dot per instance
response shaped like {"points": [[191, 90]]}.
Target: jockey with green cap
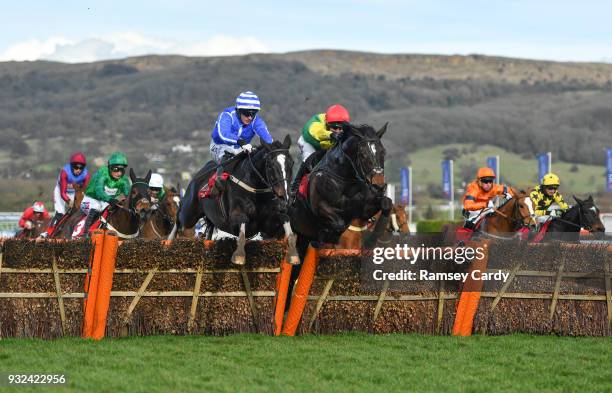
{"points": [[108, 185]]}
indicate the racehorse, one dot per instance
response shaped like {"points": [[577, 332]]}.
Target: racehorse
{"points": [[124, 218], [255, 200], [503, 222], [74, 208], [38, 227], [348, 183], [353, 237], [160, 221], [584, 214]]}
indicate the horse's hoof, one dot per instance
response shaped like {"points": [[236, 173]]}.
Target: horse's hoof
{"points": [[294, 260], [239, 260]]}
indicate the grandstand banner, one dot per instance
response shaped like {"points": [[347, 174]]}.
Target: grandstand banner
{"points": [[493, 163], [447, 178], [405, 183], [609, 169], [544, 164]]}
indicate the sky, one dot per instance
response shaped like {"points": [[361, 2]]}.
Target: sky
{"points": [[82, 31]]}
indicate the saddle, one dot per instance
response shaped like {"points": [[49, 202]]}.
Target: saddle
{"points": [[79, 228], [206, 190]]}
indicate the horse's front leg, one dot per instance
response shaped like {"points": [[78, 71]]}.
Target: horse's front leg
{"points": [[333, 225], [292, 253], [239, 218], [381, 225]]}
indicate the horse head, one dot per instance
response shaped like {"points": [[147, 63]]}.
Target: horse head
{"points": [[589, 215], [170, 204], [363, 147], [139, 200], [278, 168]]}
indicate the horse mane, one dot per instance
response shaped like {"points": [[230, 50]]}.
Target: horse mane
{"points": [[360, 131]]}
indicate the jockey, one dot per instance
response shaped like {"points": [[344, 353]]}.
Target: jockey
{"points": [[234, 123], [36, 212], [71, 174], [109, 185], [318, 135], [547, 201], [478, 198], [156, 188], [318, 131]]}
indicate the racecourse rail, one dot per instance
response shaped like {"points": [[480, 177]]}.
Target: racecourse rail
{"points": [[105, 288]]}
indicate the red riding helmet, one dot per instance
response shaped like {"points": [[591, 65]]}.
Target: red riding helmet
{"points": [[337, 114], [78, 158]]}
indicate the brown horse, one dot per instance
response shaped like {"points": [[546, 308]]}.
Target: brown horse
{"points": [[160, 222], [503, 222], [73, 209], [353, 236], [38, 227], [124, 219]]}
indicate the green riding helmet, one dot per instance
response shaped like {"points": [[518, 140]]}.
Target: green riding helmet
{"points": [[117, 158]]}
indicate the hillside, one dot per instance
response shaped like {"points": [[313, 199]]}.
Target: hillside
{"points": [[148, 105]]}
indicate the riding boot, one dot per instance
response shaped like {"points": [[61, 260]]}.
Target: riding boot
{"points": [[92, 216], [219, 185]]}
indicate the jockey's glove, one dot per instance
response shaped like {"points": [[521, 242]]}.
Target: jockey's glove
{"points": [[508, 196], [28, 225], [248, 148]]}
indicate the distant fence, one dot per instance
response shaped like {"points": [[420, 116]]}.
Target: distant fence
{"points": [[9, 223]]}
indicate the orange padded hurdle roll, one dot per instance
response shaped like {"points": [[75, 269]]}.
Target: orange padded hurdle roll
{"points": [[302, 287], [105, 284], [91, 283]]}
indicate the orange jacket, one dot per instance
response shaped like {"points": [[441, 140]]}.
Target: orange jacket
{"points": [[475, 198]]}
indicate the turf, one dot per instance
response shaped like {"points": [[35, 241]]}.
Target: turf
{"points": [[343, 363]]}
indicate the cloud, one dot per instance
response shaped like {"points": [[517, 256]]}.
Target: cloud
{"points": [[125, 44]]}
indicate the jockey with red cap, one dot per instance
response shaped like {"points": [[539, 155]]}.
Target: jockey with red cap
{"points": [[318, 136], [36, 212], [73, 173]]}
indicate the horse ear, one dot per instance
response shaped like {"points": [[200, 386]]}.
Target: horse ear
{"points": [[148, 176], [590, 199], [578, 201], [287, 142], [132, 175], [382, 131]]}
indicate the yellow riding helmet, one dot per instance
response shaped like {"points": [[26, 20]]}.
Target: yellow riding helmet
{"points": [[550, 179]]}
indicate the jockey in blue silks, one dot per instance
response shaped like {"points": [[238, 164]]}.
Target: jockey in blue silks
{"points": [[236, 122]]}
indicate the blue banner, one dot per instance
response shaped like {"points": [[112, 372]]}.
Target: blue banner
{"points": [[405, 184], [609, 168], [446, 178], [493, 164], [543, 167]]}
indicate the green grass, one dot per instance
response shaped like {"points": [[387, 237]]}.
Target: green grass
{"points": [[343, 363]]}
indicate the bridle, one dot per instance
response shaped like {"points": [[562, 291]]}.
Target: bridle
{"points": [[268, 159], [360, 175]]}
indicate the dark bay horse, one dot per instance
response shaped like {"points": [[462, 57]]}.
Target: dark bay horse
{"points": [[125, 218], [255, 200], [160, 221], [584, 214], [347, 184]]}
